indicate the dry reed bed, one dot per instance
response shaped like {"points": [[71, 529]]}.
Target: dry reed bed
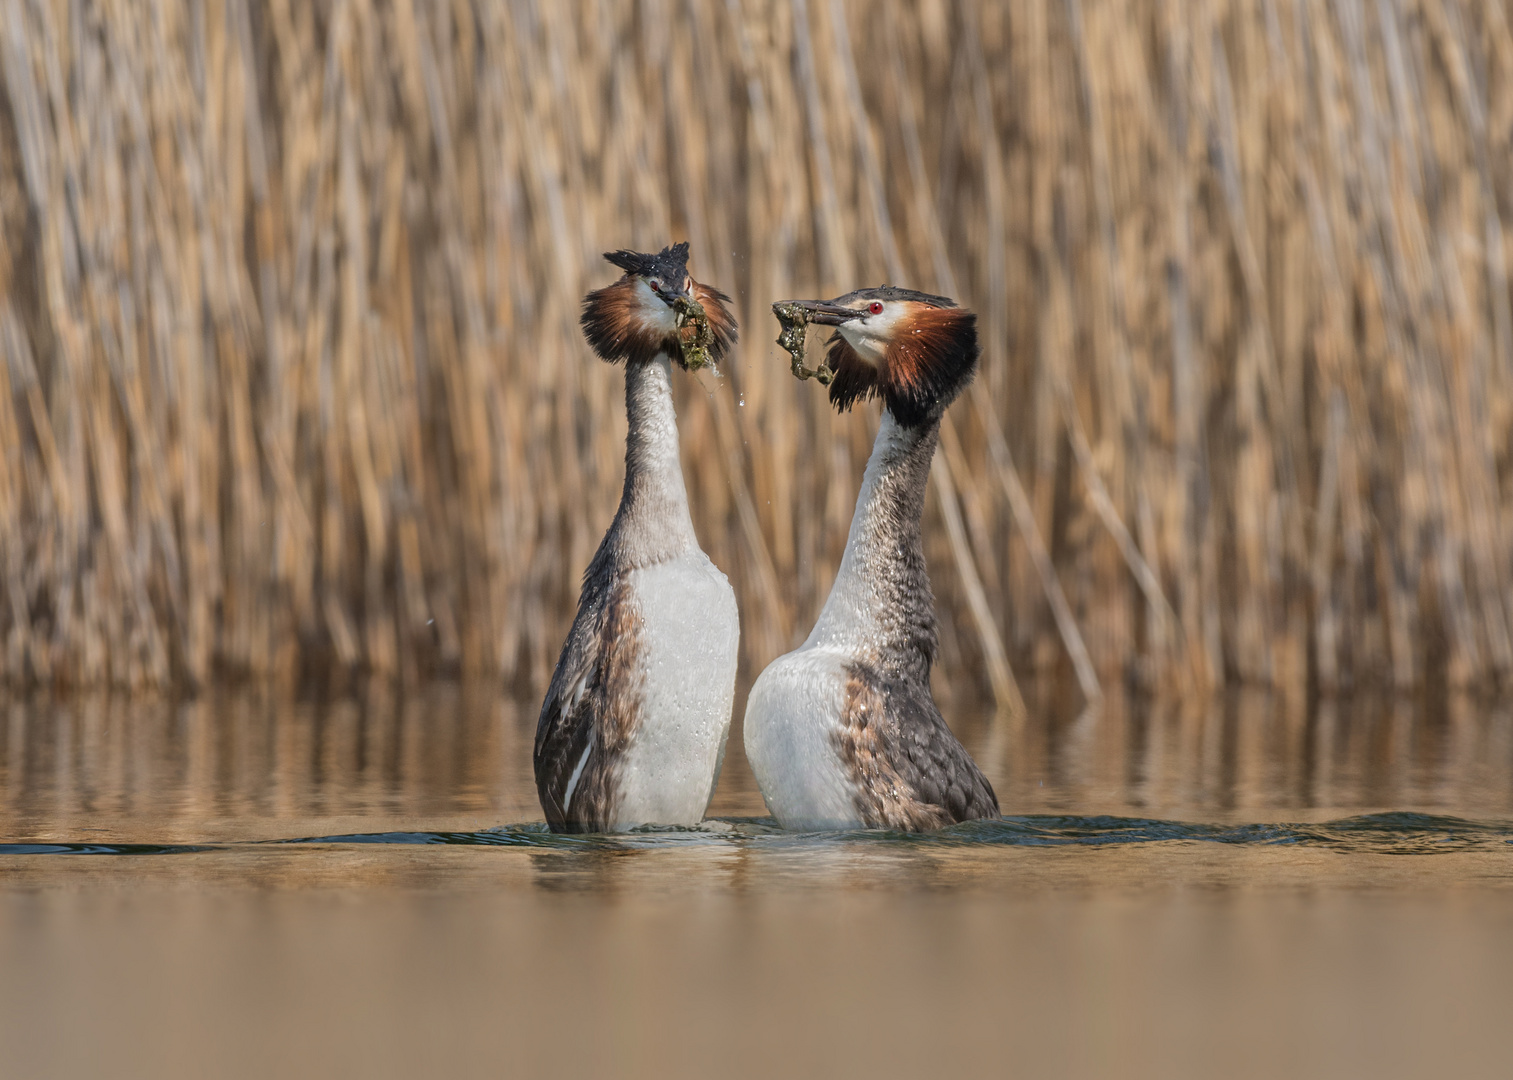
{"points": [[292, 379]]}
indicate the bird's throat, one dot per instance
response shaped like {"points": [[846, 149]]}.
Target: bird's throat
{"points": [[653, 518], [881, 604]]}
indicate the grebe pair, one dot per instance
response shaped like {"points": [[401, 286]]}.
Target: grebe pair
{"points": [[841, 733]]}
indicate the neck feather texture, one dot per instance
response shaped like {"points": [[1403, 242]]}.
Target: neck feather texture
{"points": [[652, 524], [881, 607]]}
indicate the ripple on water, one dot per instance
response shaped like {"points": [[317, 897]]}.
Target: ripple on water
{"points": [[1399, 833]]}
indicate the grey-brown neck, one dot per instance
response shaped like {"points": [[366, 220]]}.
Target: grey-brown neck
{"points": [[653, 523], [881, 607]]}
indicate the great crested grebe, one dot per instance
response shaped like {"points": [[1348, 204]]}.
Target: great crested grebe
{"points": [[843, 732], [633, 728]]}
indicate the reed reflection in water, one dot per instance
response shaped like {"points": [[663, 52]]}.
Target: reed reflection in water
{"points": [[1075, 947], [452, 757]]}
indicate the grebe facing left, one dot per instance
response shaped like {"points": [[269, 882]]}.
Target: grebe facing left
{"points": [[843, 732], [633, 728]]}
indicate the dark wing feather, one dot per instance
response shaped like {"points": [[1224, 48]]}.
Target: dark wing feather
{"points": [[566, 726], [912, 772], [592, 705]]}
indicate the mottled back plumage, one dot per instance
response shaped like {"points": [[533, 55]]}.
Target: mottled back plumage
{"points": [[592, 704], [912, 773]]}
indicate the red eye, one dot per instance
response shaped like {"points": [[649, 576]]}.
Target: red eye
{"points": [[876, 307]]}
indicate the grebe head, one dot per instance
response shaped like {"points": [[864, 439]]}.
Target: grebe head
{"points": [[636, 318], [914, 350]]}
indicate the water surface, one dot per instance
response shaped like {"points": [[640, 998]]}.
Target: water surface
{"points": [[363, 887]]}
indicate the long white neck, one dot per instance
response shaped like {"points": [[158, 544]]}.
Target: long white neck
{"points": [[881, 604], [653, 521]]}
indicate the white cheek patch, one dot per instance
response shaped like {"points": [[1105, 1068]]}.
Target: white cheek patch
{"points": [[870, 335], [653, 315]]}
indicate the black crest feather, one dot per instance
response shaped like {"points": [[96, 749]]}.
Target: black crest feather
{"points": [[670, 264], [894, 292]]}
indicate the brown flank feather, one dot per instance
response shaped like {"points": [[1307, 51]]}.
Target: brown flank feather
{"points": [[883, 799], [619, 695]]}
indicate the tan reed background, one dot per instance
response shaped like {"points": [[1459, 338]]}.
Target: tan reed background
{"points": [[293, 383]]}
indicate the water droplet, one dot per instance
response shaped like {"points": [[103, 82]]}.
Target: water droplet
{"points": [[742, 401]]}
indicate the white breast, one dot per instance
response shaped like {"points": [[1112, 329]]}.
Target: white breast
{"points": [[791, 719], [689, 639]]}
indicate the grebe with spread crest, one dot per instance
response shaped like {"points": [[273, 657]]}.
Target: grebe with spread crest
{"points": [[843, 732], [633, 728]]}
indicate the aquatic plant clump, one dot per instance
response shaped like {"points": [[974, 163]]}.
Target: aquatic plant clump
{"points": [[795, 322], [694, 335]]}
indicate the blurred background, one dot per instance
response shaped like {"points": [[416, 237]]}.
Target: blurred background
{"points": [[302, 455], [293, 387]]}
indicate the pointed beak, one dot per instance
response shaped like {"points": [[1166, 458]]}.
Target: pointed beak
{"points": [[670, 293], [821, 313]]}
